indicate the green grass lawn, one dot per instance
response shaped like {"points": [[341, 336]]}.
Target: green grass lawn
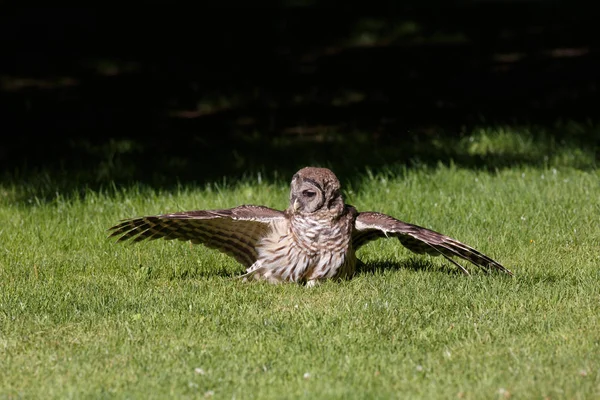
{"points": [[81, 316]]}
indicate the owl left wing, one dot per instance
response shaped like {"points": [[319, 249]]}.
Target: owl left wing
{"points": [[235, 231], [372, 225]]}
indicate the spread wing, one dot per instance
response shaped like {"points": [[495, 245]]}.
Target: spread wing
{"points": [[235, 231], [371, 225]]}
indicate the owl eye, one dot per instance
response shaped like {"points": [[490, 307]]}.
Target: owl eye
{"points": [[308, 193]]}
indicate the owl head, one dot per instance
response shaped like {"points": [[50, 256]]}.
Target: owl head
{"points": [[316, 191]]}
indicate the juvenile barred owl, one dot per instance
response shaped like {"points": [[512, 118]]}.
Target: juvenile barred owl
{"points": [[314, 239]]}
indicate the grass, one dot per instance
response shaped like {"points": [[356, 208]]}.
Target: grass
{"points": [[81, 316]]}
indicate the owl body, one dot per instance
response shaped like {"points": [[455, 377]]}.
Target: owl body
{"points": [[307, 250], [314, 239]]}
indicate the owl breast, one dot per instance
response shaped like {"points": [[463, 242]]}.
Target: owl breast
{"points": [[306, 250]]}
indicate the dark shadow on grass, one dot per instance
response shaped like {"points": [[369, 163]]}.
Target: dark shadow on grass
{"points": [[413, 264], [91, 97], [370, 268], [373, 267], [197, 273], [166, 166]]}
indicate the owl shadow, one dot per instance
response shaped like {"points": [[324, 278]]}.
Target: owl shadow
{"points": [[414, 264], [201, 273]]}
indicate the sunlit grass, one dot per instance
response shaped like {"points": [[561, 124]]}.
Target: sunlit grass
{"points": [[81, 316]]}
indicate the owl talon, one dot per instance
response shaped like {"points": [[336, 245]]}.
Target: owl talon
{"points": [[313, 283]]}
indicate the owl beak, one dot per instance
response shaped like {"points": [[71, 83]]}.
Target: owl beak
{"points": [[296, 205]]}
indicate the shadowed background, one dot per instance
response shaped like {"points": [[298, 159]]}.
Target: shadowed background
{"points": [[165, 94]]}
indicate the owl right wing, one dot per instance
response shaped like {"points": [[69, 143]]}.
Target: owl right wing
{"points": [[372, 225], [235, 231]]}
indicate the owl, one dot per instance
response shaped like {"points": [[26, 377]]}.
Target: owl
{"points": [[314, 239]]}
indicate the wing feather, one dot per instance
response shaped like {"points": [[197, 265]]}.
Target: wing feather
{"points": [[372, 225], [235, 231]]}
